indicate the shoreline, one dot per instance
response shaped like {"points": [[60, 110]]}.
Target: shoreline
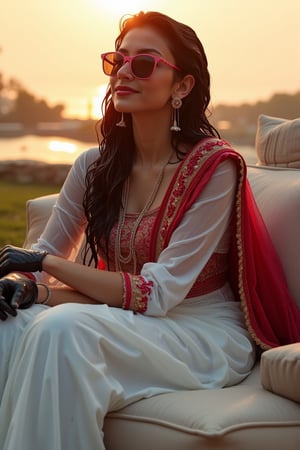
{"points": [[33, 171], [79, 130], [86, 133]]}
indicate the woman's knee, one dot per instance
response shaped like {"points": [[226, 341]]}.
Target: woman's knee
{"points": [[57, 320]]}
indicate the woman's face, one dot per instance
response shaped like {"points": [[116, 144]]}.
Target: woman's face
{"points": [[134, 95]]}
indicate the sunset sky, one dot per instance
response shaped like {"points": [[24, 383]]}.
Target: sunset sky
{"points": [[53, 47]]}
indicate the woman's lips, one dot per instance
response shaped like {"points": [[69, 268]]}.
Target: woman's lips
{"points": [[124, 90]]}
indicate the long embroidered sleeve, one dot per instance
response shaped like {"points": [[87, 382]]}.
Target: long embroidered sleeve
{"points": [[64, 232]]}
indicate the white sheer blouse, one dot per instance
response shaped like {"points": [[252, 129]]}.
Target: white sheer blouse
{"points": [[204, 230]]}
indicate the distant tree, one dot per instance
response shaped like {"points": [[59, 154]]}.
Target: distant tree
{"points": [[29, 110], [13, 86], [1, 83], [1, 89], [286, 106], [26, 108]]}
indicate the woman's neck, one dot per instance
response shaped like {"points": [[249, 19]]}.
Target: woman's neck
{"points": [[152, 141]]}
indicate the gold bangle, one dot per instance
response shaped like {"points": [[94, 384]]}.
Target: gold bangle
{"points": [[126, 290], [48, 296]]}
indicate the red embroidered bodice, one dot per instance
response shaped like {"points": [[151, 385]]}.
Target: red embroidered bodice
{"points": [[212, 277]]}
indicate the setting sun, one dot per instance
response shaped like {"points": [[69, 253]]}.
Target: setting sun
{"points": [[121, 7], [66, 42]]}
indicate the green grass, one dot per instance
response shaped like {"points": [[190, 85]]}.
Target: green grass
{"points": [[13, 197]]}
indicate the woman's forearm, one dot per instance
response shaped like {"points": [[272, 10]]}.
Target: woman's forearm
{"points": [[59, 295], [93, 285]]}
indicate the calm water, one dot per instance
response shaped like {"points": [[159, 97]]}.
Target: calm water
{"points": [[49, 149], [59, 150]]}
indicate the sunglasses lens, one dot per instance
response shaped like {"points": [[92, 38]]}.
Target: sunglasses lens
{"points": [[142, 66], [112, 62]]}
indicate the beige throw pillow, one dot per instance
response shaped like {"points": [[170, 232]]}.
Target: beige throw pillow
{"points": [[280, 371], [278, 142]]}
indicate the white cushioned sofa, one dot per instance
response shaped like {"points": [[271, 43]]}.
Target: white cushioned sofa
{"points": [[262, 412]]}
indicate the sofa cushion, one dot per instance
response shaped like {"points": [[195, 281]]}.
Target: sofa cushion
{"points": [[277, 193], [278, 141], [280, 371], [243, 417]]}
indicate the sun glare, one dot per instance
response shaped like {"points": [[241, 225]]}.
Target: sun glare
{"points": [[59, 146], [97, 101], [120, 7]]}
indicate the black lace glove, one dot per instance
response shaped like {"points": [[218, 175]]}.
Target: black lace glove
{"points": [[16, 293], [14, 259]]}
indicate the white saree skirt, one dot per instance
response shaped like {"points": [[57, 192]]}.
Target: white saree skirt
{"points": [[66, 367]]}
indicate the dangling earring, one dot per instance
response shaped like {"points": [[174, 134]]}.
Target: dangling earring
{"points": [[176, 104], [122, 122]]}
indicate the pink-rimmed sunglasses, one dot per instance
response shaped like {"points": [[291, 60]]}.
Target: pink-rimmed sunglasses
{"points": [[141, 65]]}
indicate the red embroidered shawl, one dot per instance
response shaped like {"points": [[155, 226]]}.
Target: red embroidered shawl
{"points": [[271, 315]]}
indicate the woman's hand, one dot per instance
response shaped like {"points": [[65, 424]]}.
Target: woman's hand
{"points": [[14, 259], [16, 293]]}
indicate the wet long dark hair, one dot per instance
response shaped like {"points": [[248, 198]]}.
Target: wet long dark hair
{"points": [[105, 177]]}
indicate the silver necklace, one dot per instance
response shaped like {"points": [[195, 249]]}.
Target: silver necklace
{"points": [[119, 258]]}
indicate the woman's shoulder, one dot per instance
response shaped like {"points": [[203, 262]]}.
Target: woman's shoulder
{"points": [[217, 148], [91, 154], [211, 143], [87, 157]]}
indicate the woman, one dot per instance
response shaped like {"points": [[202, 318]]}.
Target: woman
{"points": [[159, 206]]}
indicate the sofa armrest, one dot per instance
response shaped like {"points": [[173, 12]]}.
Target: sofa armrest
{"points": [[38, 211], [277, 194], [280, 371]]}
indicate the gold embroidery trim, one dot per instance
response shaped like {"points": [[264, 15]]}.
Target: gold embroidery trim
{"points": [[240, 256]]}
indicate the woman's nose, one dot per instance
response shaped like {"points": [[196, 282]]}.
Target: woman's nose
{"points": [[125, 71]]}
